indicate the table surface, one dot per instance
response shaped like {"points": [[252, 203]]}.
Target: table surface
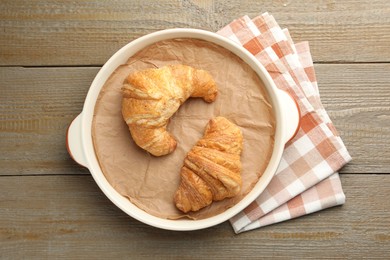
{"points": [[50, 52]]}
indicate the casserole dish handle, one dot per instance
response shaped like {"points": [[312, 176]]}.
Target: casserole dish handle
{"points": [[291, 114], [74, 142]]}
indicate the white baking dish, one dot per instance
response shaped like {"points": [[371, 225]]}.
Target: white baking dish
{"points": [[80, 145]]}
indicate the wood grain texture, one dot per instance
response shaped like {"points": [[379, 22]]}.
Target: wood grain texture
{"points": [[36, 33], [36, 108], [357, 98], [68, 217], [38, 104]]}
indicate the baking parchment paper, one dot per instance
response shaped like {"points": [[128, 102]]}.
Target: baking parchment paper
{"points": [[150, 182]]}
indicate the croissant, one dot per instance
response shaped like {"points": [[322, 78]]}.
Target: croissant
{"points": [[212, 168], [152, 96]]}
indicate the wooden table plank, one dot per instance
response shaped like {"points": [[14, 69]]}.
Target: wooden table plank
{"points": [[36, 108], [68, 216], [37, 105], [36, 33], [357, 98]]}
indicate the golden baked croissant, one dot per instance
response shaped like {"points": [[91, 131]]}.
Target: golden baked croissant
{"points": [[212, 168], [152, 96]]}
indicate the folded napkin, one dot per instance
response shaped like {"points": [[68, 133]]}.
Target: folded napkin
{"points": [[306, 180]]}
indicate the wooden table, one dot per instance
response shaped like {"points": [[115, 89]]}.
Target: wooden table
{"points": [[50, 52]]}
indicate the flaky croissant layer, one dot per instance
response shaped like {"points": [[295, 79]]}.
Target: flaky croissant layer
{"points": [[212, 168], [152, 96]]}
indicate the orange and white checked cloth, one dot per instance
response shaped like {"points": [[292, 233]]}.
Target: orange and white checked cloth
{"points": [[306, 180]]}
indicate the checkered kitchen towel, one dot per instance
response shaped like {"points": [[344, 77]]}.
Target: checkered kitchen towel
{"points": [[306, 180]]}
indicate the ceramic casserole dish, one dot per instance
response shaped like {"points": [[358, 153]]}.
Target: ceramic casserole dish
{"points": [[80, 144]]}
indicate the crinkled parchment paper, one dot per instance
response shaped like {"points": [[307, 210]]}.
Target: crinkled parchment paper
{"points": [[150, 182]]}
